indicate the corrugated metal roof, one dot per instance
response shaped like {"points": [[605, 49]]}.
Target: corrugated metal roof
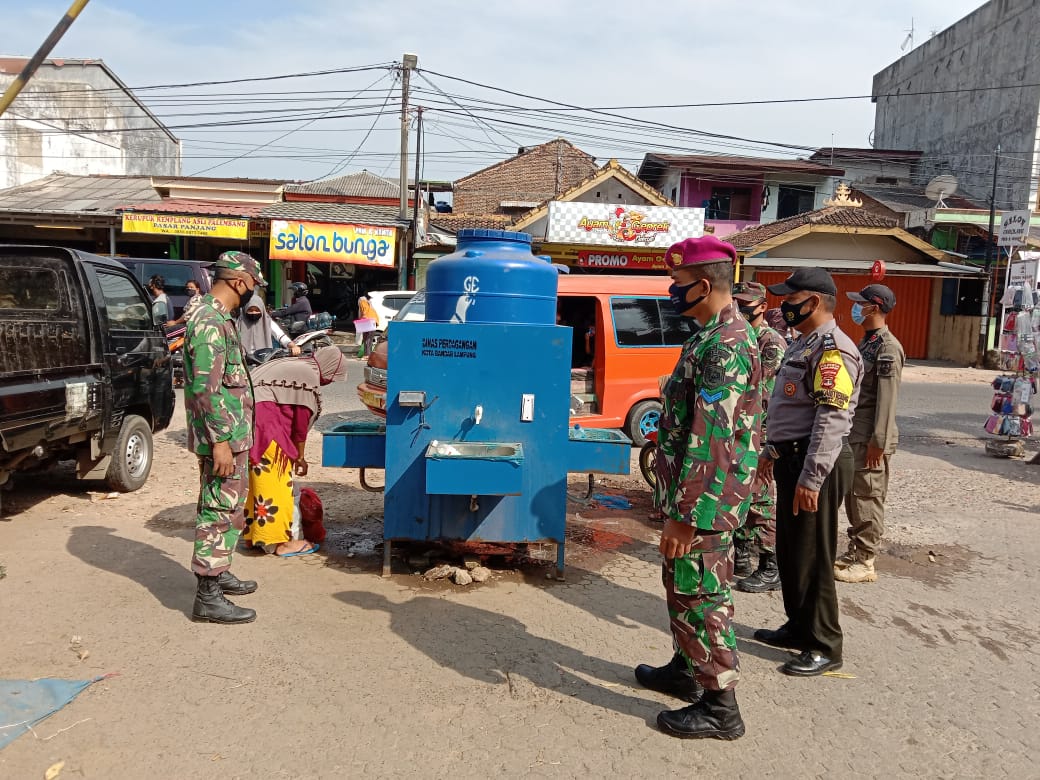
{"points": [[739, 163], [192, 206], [333, 212], [355, 185], [62, 193]]}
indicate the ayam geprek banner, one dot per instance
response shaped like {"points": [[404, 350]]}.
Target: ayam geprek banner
{"points": [[322, 242]]}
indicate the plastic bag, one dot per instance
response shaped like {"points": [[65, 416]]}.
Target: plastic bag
{"points": [[312, 516]]}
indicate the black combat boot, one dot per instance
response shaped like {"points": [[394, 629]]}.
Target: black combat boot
{"points": [[232, 585], [674, 679], [742, 558], [212, 607], [767, 577], [715, 716]]}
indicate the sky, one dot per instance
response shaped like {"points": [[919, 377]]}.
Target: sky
{"points": [[602, 55]]}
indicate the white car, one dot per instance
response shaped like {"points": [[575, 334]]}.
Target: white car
{"points": [[388, 303]]}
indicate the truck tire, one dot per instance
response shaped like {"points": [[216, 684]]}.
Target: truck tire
{"points": [[132, 456], [642, 420]]}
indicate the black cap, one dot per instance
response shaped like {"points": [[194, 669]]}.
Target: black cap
{"points": [[877, 295], [806, 279]]}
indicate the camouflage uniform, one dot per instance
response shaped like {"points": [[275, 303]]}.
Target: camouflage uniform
{"points": [[760, 528], [707, 455], [218, 399]]}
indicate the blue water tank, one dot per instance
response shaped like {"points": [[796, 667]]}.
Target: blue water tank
{"points": [[491, 277]]}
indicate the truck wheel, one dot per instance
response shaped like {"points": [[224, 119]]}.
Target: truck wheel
{"points": [[132, 456], [642, 420]]}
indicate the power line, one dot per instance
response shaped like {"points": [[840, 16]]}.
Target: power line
{"points": [[290, 132]]}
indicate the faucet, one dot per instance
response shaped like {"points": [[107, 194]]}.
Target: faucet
{"points": [[478, 414]]}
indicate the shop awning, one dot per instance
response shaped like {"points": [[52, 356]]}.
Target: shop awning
{"points": [[863, 266]]}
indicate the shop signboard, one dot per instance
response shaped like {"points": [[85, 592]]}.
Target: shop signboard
{"points": [[323, 242], [185, 225], [636, 227], [1024, 270], [1014, 227], [621, 260]]}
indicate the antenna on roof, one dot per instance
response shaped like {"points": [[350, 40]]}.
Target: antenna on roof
{"points": [[908, 42], [939, 188]]}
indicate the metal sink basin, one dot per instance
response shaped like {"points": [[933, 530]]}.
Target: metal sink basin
{"points": [[478, 450], [474, 468]]}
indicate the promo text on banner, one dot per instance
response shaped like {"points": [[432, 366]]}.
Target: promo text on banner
{"points": [[185, 225], [321, 242]]}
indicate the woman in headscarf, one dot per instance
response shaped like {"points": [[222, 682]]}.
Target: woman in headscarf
{"points": [[287, 398], [256, 329]]}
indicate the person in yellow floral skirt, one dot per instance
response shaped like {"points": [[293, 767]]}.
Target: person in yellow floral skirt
{"points": [[287, 403]]}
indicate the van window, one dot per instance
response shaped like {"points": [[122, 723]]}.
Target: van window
{"points": [[126, 309], [395, 302], [175, 276], [648, 322], [29, 289]]}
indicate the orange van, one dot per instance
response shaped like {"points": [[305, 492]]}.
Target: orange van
{"points": [[626, 336]]}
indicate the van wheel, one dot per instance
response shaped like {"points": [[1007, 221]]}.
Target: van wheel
{"points": [[643, 420], [132, 456]]}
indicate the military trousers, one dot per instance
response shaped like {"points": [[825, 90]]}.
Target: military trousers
{"points": [[220, 515], [760, 528], [806, 546], [865, 502], [700, 611]]}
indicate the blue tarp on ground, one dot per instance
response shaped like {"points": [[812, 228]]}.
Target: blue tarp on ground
{"points": [[24, 703]]}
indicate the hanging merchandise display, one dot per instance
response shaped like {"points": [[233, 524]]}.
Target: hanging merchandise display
{"points": [[1011, 408]]}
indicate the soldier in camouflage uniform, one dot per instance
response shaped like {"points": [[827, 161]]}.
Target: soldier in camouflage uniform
{"points": [[707, 455], [759, 532], [218, 399]]}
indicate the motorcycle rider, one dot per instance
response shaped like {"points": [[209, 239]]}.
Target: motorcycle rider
{"points": [[299, 310]]}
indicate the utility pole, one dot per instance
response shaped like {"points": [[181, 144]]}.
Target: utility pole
{"points": [[418, 173], [408, 64], [990, 243], [34, 62]]}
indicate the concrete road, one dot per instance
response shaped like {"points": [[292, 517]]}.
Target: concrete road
{"points": [[345, 674]]}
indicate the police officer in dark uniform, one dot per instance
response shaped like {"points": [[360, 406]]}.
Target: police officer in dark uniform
{"points": [[807, 453]]}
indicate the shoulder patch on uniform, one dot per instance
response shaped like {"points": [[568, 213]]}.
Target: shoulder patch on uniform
{"points": [[886, 366], [713, 368], [832, 383]]}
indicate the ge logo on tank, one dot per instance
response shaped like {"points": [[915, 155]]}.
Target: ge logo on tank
{"points": [[471, 284]]}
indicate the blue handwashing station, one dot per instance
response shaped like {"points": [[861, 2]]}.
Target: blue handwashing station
{"points": [[477, 443]]}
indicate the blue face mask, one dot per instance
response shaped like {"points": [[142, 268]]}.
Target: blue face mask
{"points": [[857, 313]]}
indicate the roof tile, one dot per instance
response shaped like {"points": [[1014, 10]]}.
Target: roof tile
{"points": [[355, 185], [833, 215]]}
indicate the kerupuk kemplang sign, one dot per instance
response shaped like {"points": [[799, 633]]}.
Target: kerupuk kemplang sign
{"points": [[634, 227], [321, 242]]}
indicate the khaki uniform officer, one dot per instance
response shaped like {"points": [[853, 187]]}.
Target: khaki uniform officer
{"points": [[807, 453], [874, 433]]}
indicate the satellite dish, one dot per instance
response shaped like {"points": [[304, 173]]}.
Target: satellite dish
{"points": [[940, 187]]}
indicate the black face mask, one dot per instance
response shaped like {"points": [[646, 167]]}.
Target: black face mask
{"points": [[244, 298], [677, 294], [795, 314], [749, 312], [254, 316]]}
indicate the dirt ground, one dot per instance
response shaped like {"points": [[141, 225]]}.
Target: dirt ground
{"points": [[346, 674]]}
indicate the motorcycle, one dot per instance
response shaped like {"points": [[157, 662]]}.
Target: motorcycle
{"points": [[648, 459], [175, 343], [308, 343]]}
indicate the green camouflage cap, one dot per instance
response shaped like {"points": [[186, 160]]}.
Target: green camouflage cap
{"points": [[243, 263], [749, 291]]}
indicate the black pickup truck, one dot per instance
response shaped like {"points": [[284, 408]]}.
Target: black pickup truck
{"points": [[84, 371]]}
